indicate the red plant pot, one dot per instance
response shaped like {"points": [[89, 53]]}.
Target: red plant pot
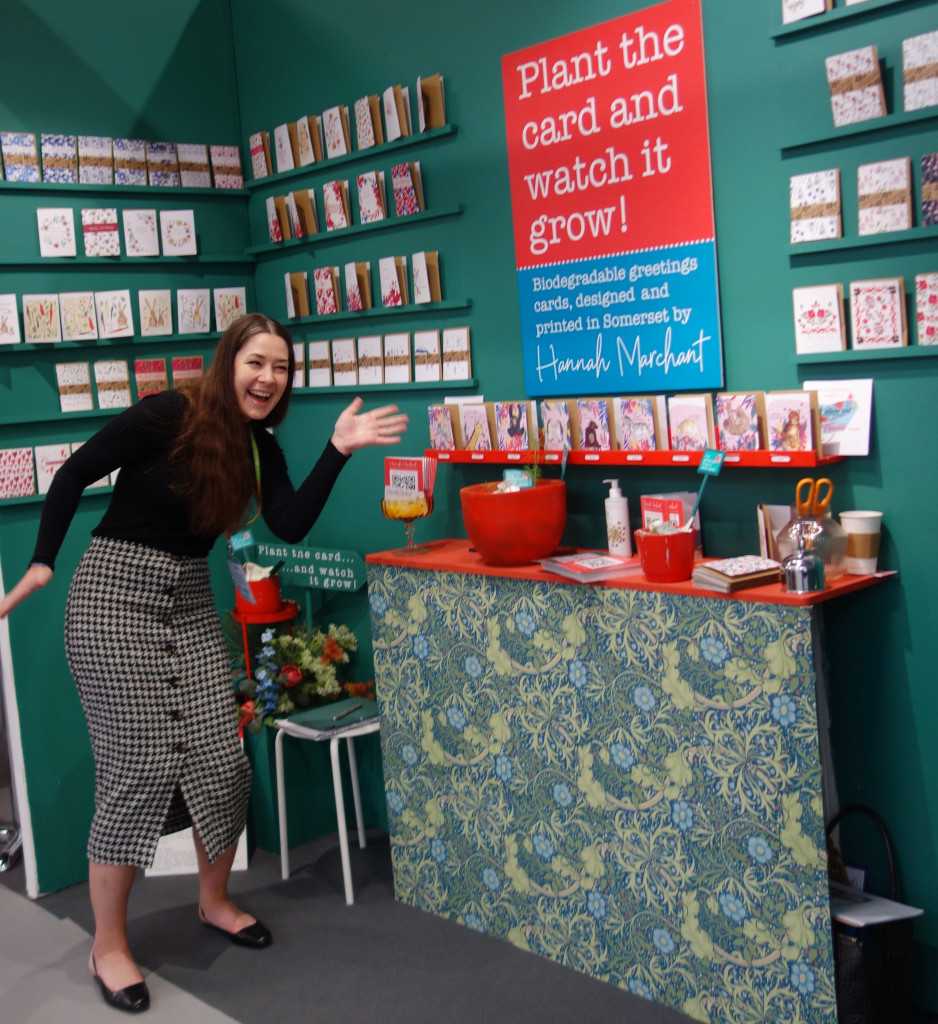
{"points": [[666, 557], [266, 596], [514, 527]]}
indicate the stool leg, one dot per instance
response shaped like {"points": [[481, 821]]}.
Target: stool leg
{"points": [[282, 806], [340, 816], [356, 792]]}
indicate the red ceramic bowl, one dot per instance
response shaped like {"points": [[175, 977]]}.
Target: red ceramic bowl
{"points": [[666, 557], [266, 595], [515, 527]]}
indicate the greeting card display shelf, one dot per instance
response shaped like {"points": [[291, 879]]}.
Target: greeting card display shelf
{"points": [[853, 355], [61, 417], [746, 460], [820, 22], [413, 308], [155, 339], [150, 190], [356, 155], [354, 229], [105, 262], [35, 499], [898, 119], [413, 385], [920, 234]]}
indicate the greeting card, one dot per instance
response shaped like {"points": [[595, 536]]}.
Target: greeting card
{"points": [[297, 288], [9, 320], [77, 310], [441, 428], [320, 365], [474, 435], [230, 303], [926, 308], [95, 160], [141, 237], [74, 383], [357, 286], [792, 422], [335, 130], [427, 277], [920, 71], [392, 273], [177, 230], [691, 419], [856, 86], [877, 311], [304, 143], [431, 102], [193, 165], [815, 206], [304, 209], [457, 362], [156, 313], [226, 166], [115, 318], [637, 424], [192, 310], [99, 231], [592, 425], [59, 158], [259, 146], [344, 362], [335, 204], [370, 360], [845, 410], [20, 156], [17, 476], [407, 186], [929, 189], [555, 422], [56, 231], [130, 162], [819, 319], [112, 382], [396, 103], [427, 365], [884, 196], [186, 368], [162, 164], [326, 282], [397, 358], [150, 377], [283, 147], [739, 416], [299, 364], [41, 318], [49, 459], [511, 425], [371, 206], [274, 228], [368, 122]]}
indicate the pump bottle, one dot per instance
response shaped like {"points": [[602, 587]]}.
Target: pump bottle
{"points": [[618, 536]]}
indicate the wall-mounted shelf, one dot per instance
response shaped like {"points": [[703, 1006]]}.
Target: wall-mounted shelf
{"points": [[376, 152], [927, 234], [110, 262], [120, 190], [470, 383], [34, 499], [831, 20], [900, 119], [155, 339], [854, 355], [413, 309], [312, 241], [62, 417], [746, 460]]}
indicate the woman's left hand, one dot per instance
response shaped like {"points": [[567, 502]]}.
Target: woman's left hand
{"points": [[354, 429]]}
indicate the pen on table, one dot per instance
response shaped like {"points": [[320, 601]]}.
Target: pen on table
{"points": [[347, 711]]}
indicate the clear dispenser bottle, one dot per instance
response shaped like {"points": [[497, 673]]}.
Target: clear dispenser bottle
{"points": [[618, 535]]}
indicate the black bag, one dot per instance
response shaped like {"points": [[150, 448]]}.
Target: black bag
{"points": [[872, 963]]}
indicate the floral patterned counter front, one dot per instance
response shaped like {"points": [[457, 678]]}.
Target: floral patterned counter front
{"points": [[626, 781]]}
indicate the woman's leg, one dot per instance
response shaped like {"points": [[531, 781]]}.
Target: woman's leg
{"points": [[109, 886], [214, 902]]}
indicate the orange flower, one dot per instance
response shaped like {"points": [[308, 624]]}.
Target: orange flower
{"points": [[331, 651]]}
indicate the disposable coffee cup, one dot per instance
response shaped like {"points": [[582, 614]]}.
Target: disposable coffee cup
{"points": [[863, 533]]}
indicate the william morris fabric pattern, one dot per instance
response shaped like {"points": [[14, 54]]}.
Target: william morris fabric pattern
{"points": [[625, 782]]}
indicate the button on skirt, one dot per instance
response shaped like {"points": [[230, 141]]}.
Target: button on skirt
{"points": [[145, 647]]}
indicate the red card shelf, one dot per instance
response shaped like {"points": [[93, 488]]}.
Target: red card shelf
{"points": [[750, 460]]}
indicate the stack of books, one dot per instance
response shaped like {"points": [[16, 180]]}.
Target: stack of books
{"points": [[729, 574]]}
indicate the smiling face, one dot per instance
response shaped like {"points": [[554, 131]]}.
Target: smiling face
{"points": [[261, 371]]}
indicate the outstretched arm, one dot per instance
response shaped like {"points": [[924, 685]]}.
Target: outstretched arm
{"points": [[36, 576], [381, 426]]}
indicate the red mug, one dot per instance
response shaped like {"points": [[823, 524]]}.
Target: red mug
{"points": [[266, 596], [666, 557]]}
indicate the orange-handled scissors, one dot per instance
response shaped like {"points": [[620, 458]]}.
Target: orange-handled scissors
{"points": [[818, 496]]}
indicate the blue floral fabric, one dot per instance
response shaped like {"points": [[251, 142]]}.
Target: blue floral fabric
{"points": [[625, 782]]}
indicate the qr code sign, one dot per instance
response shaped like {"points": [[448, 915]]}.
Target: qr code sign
{"points": [[401, 481]]}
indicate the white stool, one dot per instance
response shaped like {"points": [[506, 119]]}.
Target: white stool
{"points": [[286, 727]]}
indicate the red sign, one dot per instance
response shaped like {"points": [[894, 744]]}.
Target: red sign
{"points": [[608, 148]]}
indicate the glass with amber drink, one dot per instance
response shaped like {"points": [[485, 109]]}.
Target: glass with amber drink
{"points": [[407, 509]]}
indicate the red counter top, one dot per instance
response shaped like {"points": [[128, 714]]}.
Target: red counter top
{"points": [[457, 555]]}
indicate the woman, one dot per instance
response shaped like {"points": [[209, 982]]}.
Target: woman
{"points": [[142, 637]]}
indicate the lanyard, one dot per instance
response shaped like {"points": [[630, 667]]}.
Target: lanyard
{"points": [[257, 476]]}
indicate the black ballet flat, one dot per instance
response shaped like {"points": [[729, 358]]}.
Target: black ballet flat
{"points": [[254, 936], [132, 999]]}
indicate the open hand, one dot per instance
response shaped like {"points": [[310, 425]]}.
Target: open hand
{"points": [[36, 576], [381, 426]]}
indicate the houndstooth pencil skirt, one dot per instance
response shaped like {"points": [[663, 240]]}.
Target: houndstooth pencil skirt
{"points": [[145, 647]]}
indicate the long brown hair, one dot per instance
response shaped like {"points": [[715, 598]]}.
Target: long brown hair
{"points": [[213, 449]]}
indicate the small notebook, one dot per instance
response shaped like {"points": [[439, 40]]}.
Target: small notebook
{"points": [[329, 720]]}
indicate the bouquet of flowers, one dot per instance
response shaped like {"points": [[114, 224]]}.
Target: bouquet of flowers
{"points": [[296, 670]]}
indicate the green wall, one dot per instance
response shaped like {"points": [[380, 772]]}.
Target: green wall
{"points": [[293, 58]]}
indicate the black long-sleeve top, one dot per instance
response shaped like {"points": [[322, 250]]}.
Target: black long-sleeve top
{"points": [[145, 509]]}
